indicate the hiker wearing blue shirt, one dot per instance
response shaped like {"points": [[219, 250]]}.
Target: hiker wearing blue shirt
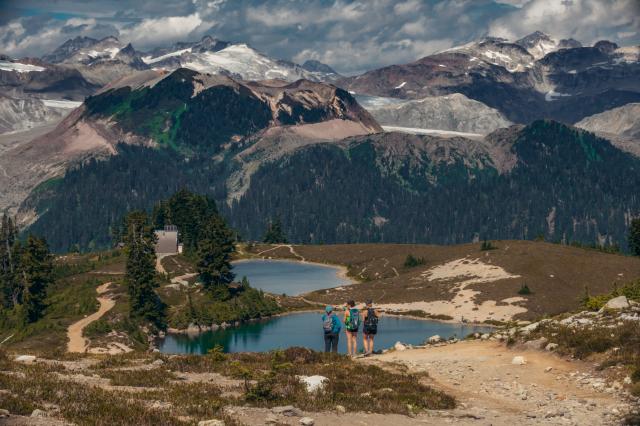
{"points": [[331, 325]]}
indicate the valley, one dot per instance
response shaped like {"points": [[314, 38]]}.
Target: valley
{"points": [[200, 201]]}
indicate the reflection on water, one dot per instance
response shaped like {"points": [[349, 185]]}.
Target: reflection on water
{"points": [[288, 277], [305, 329]]}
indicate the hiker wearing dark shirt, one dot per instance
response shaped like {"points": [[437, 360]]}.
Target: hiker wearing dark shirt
{"points": [[331, 325]]}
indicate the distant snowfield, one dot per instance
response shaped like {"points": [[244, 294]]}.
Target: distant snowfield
{"points": [[151, 60], [18, 67], [54, 103], [417, 131]]}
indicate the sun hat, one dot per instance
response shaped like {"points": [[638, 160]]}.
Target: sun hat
{"points": [[329, 308]]}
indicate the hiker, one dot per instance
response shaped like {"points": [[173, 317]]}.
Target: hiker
{"points": [[369, 328], [351, 324], [331, 325]]}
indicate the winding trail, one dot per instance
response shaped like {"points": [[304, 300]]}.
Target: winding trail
{"points": [[289, 246], [77, 343]]}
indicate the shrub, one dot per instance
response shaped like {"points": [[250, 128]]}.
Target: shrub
{"points": [[97, 328], [411, 261], [524, 290], [487, 245]]}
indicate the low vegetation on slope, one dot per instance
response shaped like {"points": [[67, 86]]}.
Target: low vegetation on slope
{"points": [[92, 392]]}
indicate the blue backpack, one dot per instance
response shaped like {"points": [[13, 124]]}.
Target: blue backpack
{"points": [[327, 323]]}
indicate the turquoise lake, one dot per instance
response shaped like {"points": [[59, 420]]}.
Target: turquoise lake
{"points": [[305, 329], [289, 277], [301, 329]]}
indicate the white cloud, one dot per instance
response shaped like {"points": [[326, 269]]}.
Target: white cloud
{"points": [[160, 30], [584, 20]]}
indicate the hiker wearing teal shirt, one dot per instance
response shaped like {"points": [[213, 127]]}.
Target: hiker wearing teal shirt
{"points": [[352, 323], [332, 326]]}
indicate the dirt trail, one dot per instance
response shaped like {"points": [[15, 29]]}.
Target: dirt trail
{"points": [[483, 379], [291, 250], [77, 343]]}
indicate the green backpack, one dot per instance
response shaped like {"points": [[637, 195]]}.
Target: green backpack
{"points": [[353, 322]]}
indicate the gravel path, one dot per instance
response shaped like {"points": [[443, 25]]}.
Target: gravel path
{"points": [[77, 343]]}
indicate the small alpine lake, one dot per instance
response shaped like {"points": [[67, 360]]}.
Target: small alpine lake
{"points": [[305, 329], [289, 277]]}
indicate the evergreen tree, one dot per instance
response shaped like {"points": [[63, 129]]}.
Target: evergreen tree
{"points": [[634, 237], [140, 274], [275, 234], [36, 274], [214, 257], [8, 263]]}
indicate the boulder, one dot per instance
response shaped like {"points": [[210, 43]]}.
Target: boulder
{"points": [[619, 302], [536, 344], [4, 413], [548, 369], [158, 362], [39, 413], [485, 336], [212, 422], [287, 410], [434, 339], [307, 421], [27, 359], [340, 409], [518, 360], [551, 347], [313, 383], [270, 419], [399, 346], [529, 328]]}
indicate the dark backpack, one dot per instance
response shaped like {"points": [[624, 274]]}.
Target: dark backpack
{"points": [[371, 321], [327, 323], [354, 319]]}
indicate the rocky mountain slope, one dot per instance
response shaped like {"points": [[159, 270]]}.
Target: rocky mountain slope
{"points": [[34, 78], [529, 79], [453, 112], [620, 125], [23, 114], [184, 111]]}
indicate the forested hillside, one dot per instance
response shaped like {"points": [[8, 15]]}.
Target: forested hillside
{"points": [[565, 185]]}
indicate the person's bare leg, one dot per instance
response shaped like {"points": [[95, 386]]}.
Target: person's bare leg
{"points": [[355, 344], [371, 343]]}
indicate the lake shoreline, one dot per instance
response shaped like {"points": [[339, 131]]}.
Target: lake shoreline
{"points": [[203, 329], [342, 272]]}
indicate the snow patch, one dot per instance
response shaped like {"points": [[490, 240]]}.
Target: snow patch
{"points": [[151, 60], [54, 103], [401, 85], [19, 67], [417, 131], [551, 96]]}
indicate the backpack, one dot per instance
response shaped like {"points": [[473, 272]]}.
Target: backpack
{"points": [[371, 321], [327, 323], [354, 319]]}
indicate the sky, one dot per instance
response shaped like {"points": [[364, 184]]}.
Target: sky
{"points": [[351, 36]]}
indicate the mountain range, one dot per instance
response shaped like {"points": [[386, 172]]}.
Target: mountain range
{"points": [[472, 142]]}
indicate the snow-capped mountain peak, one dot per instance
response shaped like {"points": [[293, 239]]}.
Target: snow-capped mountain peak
{"points": [[538, 44], [238, 60]]}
